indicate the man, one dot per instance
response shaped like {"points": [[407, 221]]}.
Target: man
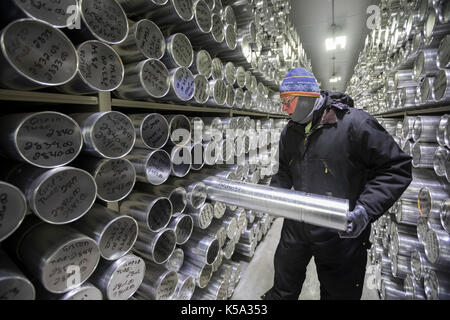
{"points": [[332, 149]]}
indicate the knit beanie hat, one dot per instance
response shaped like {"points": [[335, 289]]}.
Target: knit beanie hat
{"points": [[299, 82]]}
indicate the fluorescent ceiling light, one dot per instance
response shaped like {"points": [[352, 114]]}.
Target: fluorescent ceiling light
{"points": [[335, 43], [335, 79]]}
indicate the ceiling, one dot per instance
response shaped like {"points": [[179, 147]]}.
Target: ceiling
{"points": [[313, 19]]}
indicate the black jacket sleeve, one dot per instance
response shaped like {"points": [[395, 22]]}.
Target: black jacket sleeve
{"points": [[282, 179], [388, 167]]}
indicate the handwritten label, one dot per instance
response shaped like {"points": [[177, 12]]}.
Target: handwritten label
{"points": [[184, 84], [158, 168], [115, 179], [217, 69], [64, 196], [118, 238], [184, 8], [239, 97], [231, 37], [126, 279], [105, 19], [230, 96], [206, 215], [156, 78], [82, 253], [220, 92], [155, 131], [41, 52], [16, 289], [55, 12], [167, 286], [217, 28], [100, 66], [113, 134], [201, 85], [203, 16], [150, 40], [230, 73], [204, 63], [240, 77], [12, 209], [182, 51]]}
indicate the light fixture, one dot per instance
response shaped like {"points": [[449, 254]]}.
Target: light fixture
{"points": [[335, 79], [332, 44]]}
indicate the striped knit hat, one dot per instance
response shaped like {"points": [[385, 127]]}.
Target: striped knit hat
{"points": [[299, 82]]}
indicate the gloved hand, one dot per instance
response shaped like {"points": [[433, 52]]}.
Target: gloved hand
{"points": [[358, 220]]}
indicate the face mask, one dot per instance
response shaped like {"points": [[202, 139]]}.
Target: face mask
{"points": [[304, 110]]}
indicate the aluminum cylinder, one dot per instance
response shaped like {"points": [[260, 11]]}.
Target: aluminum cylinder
{"points": [[180, 130], [195, 191], [145, 80], [199, 247], [436, 285], [44, 139], [59, 257], [391, 291], [226, 151], [441, 131], [202, 217], [311, 209], [180, 160], [401, 266], [13, 208], [429, 201], [201, 90], [100, 70], [35, 55], [176, 195], [443, 56], [200, 25], [57, 196], [175, 260], [217, 69], [413, 289], [14, 285], [441, 87], [425, 64], [230, 97], [151, 212], [201, 272], [441, 161], [182, 225], [407, 212], [445, 214], [145, 41], [119, 279], [217, 93], [197, 155], [155, 246], [152, 167], [114, 234], [202, 63], [152, 130], [230, 73], [215, 38], [174, 12], [215, 290], [115, 178], [179, 52], [159, 283], [437, 247], [136, 7], [404, 78], [103, 20], [423, 155], [185, 287], [425, 128], [107, 135], [86, 291], [408, 127]]}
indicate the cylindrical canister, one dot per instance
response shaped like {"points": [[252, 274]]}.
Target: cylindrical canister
{"points": [[13, 207], [151, 166], [152, 130], [13, 283]]}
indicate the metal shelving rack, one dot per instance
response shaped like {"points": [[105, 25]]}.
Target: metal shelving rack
{"points": [[414, 111]]}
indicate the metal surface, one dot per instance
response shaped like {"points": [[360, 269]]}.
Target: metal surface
{"points": [[179, 52], [443, 56], [175, 260], [151, 212], [425, 64], [145, 80], [57, 196], [185, 287], [136, 7], [174, 12], [44, 139], [441, 162], [114, 234], [436, 285], [152, 130], [201, 272], [217, 93], [201, 90], [437, 247], [35, 55], [14, 285], [182, 225], [202, 63], [195, 191], [145, 41], [159, 283], [155, 246], [100, 70], [13, 207], [115, 178], [108, 134], [180, 160], [120, 279], [176, 195], [425, 128], [316, 210], [442, 131], [151, 166], [201, 248], [180, 130], [445, 214], [423, 155], [84, 292], [202, 217], [441, 87]]}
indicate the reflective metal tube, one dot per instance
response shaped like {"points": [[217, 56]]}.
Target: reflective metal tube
{"points": [[13, 209], [441, 131], [180, 130], [159, 283], [391, 291], [316, 210], [202, 63], [437, 247], [151, 166], [413, 289], [196, 191], [174, 12], [182, 225], [425, 64], [199, 247], [441, 87], [185, 287], [202, 216], [423, 155], [86, 291], [155, 246], [152, 130], [136, 7], [445, 214], [441, 162], [179, 52], [175, 260], [201, 272], [13, 283], [215, 290], [436, 285], [425, 128], [443, 57], [176, 195], [201, 90], [180, 160]]}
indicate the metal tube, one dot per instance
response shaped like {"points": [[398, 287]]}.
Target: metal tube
{"points": [[185, 287], [35, 55], [229, 248], [136, 7], [200, 25], [404, 79], [174, 12], [217, 263], [145, 41], [195, 191], [151, 166], [175, 260], [441, 160], [443, 57], [217, 69], [176, 195], [155, 246], [313, 209], [215, 38], [407, 212], [215, 290], [44, 139], [218, 229], [202, 216], [401, 266], [441, 87], [159, 283], [179, 52], [429, 201], [57, 196], [144, 80], [114, 234], [202, 63], [436, 285], [425, 64], [392, 291], [413, 289], [199, 247], [408, 125], [151, 212], [13, 208], [180, 160], [442, 130], [445, 214], [84, 292], [424, 129], [53, 255], [247, 250], [199, 271], [217, 93], [152, 130], [100, 70], [13, 283], [115, 178], [423, 155], [120, 279], [180, 130], [106, 134], [201, 90], [197, 154], [182, 85], [183, 226], [437, 247]]}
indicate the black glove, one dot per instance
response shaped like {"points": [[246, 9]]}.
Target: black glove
{"points": [[358, 220]]}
